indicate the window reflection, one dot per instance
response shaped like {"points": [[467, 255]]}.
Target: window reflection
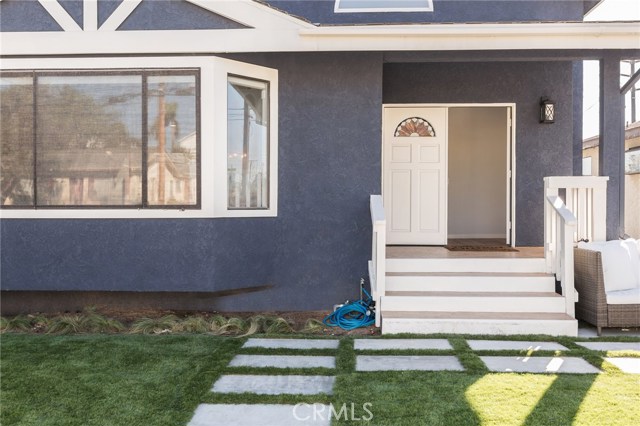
{"points": [[247, 143]]}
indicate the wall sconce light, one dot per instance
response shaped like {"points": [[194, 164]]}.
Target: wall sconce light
{"points": [[547, 110]]}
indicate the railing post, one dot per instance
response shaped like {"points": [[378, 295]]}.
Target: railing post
{"points": [[568, 284], [599, 213], [377, 265]]}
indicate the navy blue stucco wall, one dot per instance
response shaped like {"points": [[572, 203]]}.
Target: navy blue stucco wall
{"points": [[541, 149], [313, 253], [18, 15], [322, 11]]}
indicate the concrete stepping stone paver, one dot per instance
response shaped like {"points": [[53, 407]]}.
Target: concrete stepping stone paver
{"points": [[261, 414], [540, 364], [626, 365], [383, 344], [292, 343], [507, 345], [407, 363], [274, 385], [283, 361], [611, 346]]}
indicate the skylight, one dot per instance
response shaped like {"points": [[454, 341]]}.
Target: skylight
{"points": [[346, 6]]}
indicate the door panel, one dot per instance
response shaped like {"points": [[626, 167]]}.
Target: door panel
{"points": [[415, 170], [430, 187], [400, 217]]}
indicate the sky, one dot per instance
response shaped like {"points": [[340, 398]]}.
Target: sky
{"points": [[608, 10]]}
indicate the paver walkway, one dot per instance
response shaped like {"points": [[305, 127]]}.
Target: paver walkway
{"points": [[401, 344], [314, 414], [261, 414], [505, 345], [283, 361], [513, 364], [407, 363], [611, 346], [292, 343], [274, 385], [626, 365]]}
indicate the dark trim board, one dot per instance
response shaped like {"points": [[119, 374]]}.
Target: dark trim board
{"points": [[24, 302]]}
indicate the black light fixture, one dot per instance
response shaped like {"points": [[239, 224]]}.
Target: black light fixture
{"points": [[547, 110]]}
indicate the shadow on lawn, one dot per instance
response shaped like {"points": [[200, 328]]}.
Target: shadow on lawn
{"points": [[561, 401]]}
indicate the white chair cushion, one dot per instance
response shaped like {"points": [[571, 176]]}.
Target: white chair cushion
{"points": [[620, 263], [624, 297]]}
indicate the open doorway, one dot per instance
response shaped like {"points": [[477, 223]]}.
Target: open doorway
{"points": [[479, 191]]}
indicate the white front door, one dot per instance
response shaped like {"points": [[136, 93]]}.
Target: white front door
{"points": [[415, 175]]}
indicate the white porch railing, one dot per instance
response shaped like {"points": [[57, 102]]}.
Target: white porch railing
{"points": [[586, 196], [378, 252]]}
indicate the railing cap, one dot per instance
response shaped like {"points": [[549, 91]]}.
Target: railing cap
{"points": [[576, 181], [377, 211]]}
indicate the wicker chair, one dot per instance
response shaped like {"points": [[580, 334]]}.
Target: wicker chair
{"points": [[592, 304]]}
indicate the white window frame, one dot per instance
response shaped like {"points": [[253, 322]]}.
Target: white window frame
{"points": [[225, 68], [213, 135], [428, 8]]}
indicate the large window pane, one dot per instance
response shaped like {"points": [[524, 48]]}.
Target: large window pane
{"points": [[172, 140], [247, 143], [16, 141], [89, 140]]}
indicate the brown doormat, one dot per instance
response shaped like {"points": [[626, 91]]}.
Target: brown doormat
{"points": [[453, 247]]}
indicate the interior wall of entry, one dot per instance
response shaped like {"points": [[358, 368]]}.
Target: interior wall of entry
{"points": [[477, 172]]}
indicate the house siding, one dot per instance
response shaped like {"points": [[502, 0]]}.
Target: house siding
{"points": [[313, 253], [22, 15], [17, 15], [322, 12], [541, 149]]}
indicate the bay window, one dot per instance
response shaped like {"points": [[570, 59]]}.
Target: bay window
{"points": [[152, 137]]}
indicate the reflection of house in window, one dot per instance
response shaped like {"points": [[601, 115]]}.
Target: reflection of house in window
{"points": [[90, 139], [179, 172], [247, 143]]}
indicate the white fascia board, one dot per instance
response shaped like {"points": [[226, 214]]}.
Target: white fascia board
{"points": [[432, 37], [252, 14], [578, 35]]}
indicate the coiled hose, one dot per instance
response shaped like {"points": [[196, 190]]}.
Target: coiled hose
{"points": [[352, 315]]}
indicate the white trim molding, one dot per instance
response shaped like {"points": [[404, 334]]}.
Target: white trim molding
{"points": [[118, 16], [213, 136], [57, 12], [304, 37], [428, 7]]}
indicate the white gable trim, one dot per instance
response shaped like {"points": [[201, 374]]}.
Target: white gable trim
{"points": [[60, 15], [90, 15], [119, 15], [434, 37]]}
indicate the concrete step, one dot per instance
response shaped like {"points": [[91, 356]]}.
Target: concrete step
{"points": [[470, 281], [461, 265], [495, 323], [444, 301]]}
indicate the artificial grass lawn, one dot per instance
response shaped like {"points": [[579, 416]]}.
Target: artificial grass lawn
{"points": [[160, 380]]}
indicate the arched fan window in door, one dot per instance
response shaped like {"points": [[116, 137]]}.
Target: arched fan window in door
{"points": [[414, 126]]}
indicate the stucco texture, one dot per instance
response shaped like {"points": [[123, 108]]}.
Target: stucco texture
{"points": [[313, 254], [322, 12]]}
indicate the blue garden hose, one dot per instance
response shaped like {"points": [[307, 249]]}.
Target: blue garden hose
{"points": [[352, 315]]}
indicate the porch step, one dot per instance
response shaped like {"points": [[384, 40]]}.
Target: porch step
{"points": [[470, 281], [464, 301], [466, 265], [496, 323]]}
